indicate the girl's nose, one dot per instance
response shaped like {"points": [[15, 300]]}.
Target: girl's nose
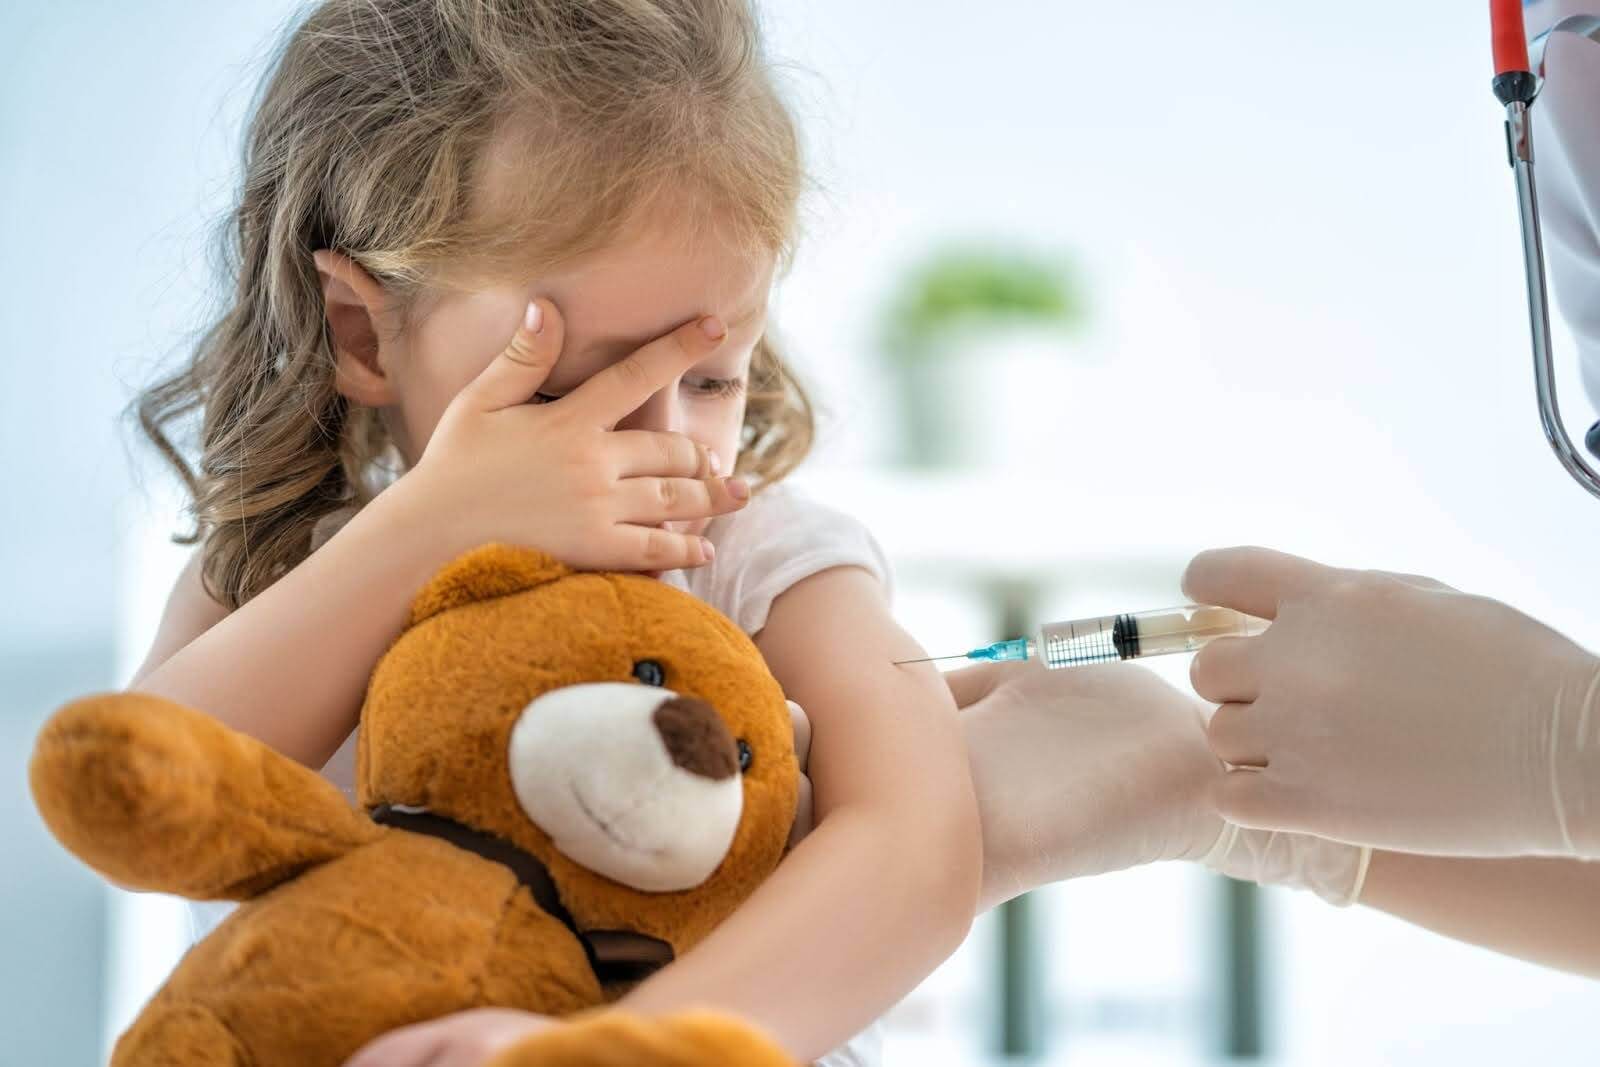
{"points": [[660, 412]]}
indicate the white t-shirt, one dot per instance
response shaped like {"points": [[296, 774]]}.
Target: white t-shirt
{"points": [[1566, 145], [778, 540]]}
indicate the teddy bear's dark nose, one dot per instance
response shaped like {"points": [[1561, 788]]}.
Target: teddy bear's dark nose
{"points": [[696, 738]]}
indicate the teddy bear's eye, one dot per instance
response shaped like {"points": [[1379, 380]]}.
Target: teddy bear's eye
{"points": [[649, 672], [745, 755]]}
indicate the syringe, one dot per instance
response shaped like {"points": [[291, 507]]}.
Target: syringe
{"points": [[1109, 638]]}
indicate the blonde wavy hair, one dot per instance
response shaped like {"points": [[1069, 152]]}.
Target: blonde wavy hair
{"points": [[368, 136]]}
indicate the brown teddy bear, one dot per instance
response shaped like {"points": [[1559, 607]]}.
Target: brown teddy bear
{"points": [[566, 780]]}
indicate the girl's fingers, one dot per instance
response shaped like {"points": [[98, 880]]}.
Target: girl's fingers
{"points": [[668, 455], [411, 1046], [800, 725], [804, 817], [650, 548], [647, 501], [622, 388], [523, 365]]}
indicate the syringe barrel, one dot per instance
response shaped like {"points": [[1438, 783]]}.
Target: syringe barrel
{"points": [[1134, 635]]}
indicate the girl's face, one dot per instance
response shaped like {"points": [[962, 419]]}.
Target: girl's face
{"points": [[612, 303]]}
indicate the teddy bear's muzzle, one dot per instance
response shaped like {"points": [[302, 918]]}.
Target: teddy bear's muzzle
{"points": [[634, 782]]}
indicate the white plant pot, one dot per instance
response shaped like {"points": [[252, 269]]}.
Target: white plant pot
{"points": [[985, 400]]}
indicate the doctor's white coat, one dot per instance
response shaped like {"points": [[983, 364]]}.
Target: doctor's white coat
{"points": [[1567, 165]]}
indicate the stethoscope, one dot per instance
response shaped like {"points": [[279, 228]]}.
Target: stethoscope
{"points": [[1517, 86]]}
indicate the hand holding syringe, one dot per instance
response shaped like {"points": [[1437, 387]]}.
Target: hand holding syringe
{"points": [[1108, 638]]}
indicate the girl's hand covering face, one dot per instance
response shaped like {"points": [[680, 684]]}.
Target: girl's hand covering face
{"points": [[501, 466]]}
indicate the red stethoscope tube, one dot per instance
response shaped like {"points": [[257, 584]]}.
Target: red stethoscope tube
{"points": [[1510, 39]]}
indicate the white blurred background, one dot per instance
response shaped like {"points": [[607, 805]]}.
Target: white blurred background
{"points": [[1293, 234]]}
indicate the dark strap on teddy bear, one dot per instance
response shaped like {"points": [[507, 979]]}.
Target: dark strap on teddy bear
{"points": [[615, 955]]}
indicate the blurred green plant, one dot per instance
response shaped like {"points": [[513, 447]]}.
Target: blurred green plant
{"points": [[965, 286], [953, 303]]}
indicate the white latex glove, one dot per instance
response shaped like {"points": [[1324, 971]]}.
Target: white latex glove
{"points": [[1393, 711], [1096, 769]]}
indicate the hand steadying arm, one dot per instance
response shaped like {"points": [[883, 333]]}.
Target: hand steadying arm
{"points": [[1096, 769]]}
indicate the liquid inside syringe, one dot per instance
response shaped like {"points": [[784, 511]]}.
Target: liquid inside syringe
{"points": [[1130, 635]]}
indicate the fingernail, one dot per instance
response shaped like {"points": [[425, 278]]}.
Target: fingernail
{"points": [[708, 550], [712, 327], [738, 488], [715, 462], [533, 318]]}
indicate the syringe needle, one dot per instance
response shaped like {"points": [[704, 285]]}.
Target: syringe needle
{"points": [[930, 659]]}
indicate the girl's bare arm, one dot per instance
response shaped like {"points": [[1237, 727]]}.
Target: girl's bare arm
{"points": [[290, 667], [886, 885]]}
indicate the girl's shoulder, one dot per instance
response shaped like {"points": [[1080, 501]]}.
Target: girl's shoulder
{"points": [[781, 538], [782, 521]]}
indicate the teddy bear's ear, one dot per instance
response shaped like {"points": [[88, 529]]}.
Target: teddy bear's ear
{"points": [[483, 574]]}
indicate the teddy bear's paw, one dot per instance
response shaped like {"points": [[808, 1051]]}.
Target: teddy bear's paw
{"points": [[109, 772], [178, 1035], [616, 1039]]}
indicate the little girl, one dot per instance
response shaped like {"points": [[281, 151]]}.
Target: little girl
{"points": [[502, 270]]}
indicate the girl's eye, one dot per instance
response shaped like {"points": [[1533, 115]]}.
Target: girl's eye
{"points": [[718, 387]]}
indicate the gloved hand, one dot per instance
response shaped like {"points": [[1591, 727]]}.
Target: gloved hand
{"points": [[1394, 711], [1096, 769]]}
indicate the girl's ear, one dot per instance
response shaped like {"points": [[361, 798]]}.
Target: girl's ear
{"points": [[354, 303]]}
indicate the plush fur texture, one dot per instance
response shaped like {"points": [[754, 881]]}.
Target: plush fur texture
{"points": [[349, 929], [615, 1040]]}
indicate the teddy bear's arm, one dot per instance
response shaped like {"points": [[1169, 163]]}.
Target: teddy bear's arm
{"points": [[156, 796], [611, 1038]]}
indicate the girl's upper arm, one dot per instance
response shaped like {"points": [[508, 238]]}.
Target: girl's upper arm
{"points": [[190, 612], [878, 730]]}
